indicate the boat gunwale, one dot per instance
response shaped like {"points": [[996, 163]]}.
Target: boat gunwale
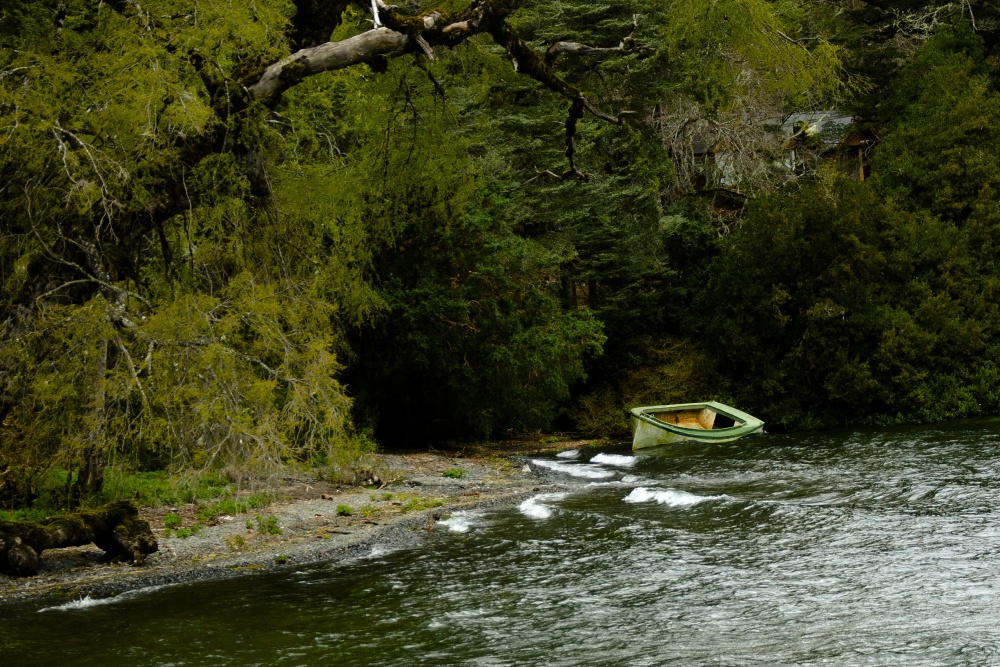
{"points": [[750, 423]]}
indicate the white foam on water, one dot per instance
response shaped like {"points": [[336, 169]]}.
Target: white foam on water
{"points": [[669, 497], [569, 454], [615, 482], [575, 469], [460, 522], [83, 603], [626, 481], [535, 507], [86, 601], [617, 460]]}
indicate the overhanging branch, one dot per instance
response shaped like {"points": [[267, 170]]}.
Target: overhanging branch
{"points": [[327, 57], [557, 49], [420, 34]]}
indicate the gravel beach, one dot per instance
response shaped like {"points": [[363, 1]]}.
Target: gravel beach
{"points": [[386, 516]]}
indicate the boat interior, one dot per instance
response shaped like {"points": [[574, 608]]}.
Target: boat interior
{"points": [[704, 419]]}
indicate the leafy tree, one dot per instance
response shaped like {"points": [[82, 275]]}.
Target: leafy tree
{"points": [[202, 207]]}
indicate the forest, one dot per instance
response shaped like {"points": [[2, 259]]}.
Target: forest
{"points": [[243, 236]]}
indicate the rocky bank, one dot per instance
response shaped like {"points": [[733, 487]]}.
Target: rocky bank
{"points": [[400, 509]]}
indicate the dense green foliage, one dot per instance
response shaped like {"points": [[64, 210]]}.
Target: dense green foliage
{"points": [[877, 301], [169, 306], [194, 277]]}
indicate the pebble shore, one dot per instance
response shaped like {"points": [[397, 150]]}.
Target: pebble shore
{"points": [[400, 514]]}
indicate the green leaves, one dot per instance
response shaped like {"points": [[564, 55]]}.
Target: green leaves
{"points": [[833, 306], [400, 232], [943, 114]]}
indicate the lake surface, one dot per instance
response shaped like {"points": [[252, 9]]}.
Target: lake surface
{"points": [[847, 548]]}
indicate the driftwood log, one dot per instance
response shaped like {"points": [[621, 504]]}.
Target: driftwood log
{"points": [[116, 528]]}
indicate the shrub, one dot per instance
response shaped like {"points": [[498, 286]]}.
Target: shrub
{"points": [[268, 525]]}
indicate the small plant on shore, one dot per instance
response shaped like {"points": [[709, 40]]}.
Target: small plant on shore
{"points": [[453, 473], [418, 503], [281, 559], [209, 512], [184, 533], [501, 463], [368, 511], [268, 525], [249, 524], [236, 542], [171, 522], [344, 510], [387, 496]]}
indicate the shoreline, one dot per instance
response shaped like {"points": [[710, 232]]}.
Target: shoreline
{"points": [[398, 515]]}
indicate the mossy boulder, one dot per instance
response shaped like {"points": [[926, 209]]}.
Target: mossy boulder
{"points": [[116, 528]]}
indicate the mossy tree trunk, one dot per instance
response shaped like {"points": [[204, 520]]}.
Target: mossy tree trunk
{"points": [[116, 528], [91, 477]]}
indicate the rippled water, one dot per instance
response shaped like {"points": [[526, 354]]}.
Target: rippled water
{"points": [[851, 548]]}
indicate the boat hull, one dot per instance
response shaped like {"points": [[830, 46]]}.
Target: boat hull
{"points": [[691, 422]]}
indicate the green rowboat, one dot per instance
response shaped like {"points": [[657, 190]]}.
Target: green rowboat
{"points": [[702, 422]]}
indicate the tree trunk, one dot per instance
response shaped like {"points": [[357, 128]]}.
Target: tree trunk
{"points": [[91, 478], [116, 528], [568, 293]]}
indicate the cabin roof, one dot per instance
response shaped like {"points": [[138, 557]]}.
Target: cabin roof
{"points": [[829, 127]]}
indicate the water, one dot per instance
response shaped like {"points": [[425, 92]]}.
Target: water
{"points": [[851, 548]]}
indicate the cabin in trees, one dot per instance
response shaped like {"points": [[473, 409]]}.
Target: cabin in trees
{"points": [[715, 156], [826, 135]]}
